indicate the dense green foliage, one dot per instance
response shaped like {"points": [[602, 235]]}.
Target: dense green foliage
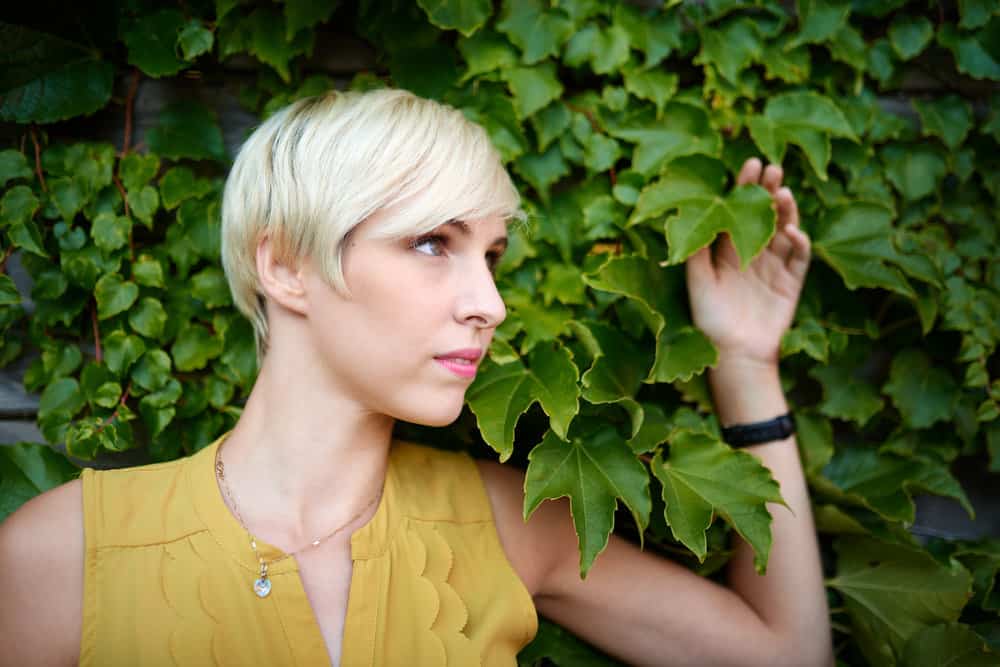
{"points": [[623, 126]]}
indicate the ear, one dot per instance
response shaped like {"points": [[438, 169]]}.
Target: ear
{"points": [[280, 282]]}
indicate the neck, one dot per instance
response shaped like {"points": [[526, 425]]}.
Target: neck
{"points": [[304, 458]]}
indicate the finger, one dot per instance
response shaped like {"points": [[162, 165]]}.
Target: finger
{"points": [[798, 260], [788, 209], [781, 245], [772, 178], [699, 267], [725, 252], [750, 172]]}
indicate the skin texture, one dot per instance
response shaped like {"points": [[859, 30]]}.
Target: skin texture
{"points": [[341, 368]]}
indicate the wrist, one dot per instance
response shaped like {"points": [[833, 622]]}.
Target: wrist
{"points": [[746, 390]]}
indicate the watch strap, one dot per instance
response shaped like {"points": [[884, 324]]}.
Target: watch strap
{"points": [[743, 435]]}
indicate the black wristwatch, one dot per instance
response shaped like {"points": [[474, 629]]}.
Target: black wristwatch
{"points": [[743, 435]]}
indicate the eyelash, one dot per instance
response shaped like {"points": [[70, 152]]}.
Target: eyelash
{"points": [[492, 258]]}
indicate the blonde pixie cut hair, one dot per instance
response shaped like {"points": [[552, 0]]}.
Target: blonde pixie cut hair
{"points": [[319, 167]]}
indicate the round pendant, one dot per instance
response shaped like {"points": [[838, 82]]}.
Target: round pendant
{"points": [[262, 587]]}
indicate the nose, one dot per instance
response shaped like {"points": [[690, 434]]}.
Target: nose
{"points": [[479, 301]]}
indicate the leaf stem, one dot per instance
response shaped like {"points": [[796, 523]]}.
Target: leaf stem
{"points": [[129, 107], [38, 159], [97, 333], [6, 255], [114, 414]]}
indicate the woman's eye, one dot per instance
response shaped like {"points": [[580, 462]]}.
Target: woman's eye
{"points": [[429, 245]]}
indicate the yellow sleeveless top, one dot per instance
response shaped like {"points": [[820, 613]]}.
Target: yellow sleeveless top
{"points": [[169, 572]]}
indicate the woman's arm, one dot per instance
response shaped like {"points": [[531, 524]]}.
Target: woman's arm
{"points": [[645, 609], [41, 576]]}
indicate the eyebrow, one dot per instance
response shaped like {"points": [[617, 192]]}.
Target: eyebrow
{"points": [[463, 227]]}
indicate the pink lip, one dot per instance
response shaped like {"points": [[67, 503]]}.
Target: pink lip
{"points": [[457, 361]]}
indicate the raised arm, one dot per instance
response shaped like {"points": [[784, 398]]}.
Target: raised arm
{"points": [[647, 610]]}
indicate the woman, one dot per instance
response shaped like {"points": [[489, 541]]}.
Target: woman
{"points": [[359, 236]]}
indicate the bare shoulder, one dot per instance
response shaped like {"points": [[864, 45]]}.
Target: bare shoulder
{"points": [[537, 547], [41, 574]]}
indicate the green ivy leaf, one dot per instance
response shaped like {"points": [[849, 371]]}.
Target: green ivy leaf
{"points": [[745, 214], [731, 47], [655, 34], [27, 470], [156, 419], [194, 348], [55, 78], [915, 170], [195, 39], [179, 183], [152, 371], [61, 396], [923, 394], [694, 186], [550, 123], [110, 231], [114, 295], [302, 14], [854, 240], [536, 30], [187, 130], [18, 205], [561, 647], [654, 85], [805, 119], [886, 483], [844, 396], [148, 271], [144, 203], [148, 317], [976, 13], [682, 129], [617, 371], [136, 170], [819, 20], [909, 35], [484, 52], [971, 56], [26, 236], [152, 42], [210, 286], [594, 472], [533, 87], [13, 165], [9, 296], [544, 170], [947, 644], [496, 113], [681, 350], [466, 16], [807, 336], [948, 117], [606, 49], [501, 394], [703, 477], [68, 197], [240, 357], [891, 592]]}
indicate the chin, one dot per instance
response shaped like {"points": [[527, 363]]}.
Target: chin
{"points": [[439, 415]]}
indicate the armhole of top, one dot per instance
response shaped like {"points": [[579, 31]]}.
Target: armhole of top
{"points": [[527, 601], [90, 483]]}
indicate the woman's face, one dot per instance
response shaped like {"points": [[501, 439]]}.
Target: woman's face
{"points": [[418, 309]]}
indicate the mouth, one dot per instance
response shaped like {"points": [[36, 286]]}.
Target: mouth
{"points": [[462, 363]]}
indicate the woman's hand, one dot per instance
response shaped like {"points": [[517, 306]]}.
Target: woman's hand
{"points": [[745, 313]]}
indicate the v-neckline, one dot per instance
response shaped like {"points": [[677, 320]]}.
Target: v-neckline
{"points": [[288, 594]]}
